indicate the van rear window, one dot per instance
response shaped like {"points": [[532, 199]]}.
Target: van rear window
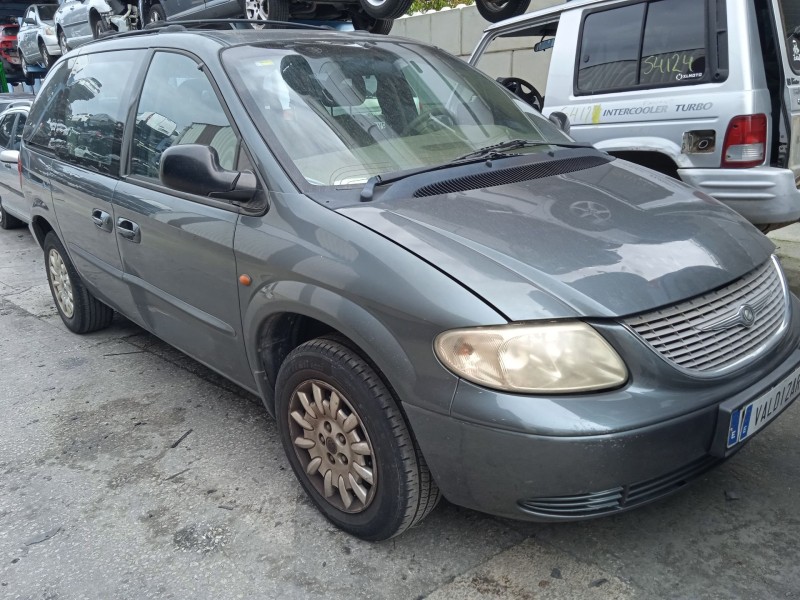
{"points": [[791, 23], [651, 44]]}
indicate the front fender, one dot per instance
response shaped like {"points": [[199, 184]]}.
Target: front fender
{"points": [[356, 323]]}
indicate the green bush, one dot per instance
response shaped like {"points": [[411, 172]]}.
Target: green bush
{"points": [[423, 5]]}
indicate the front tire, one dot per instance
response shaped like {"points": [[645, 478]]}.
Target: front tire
{"points": [[266, 10], [385, 9], [499, 10], [47, 58], [62, 42], [348, 442], [156, 14], [80, 311], [363, 22]]}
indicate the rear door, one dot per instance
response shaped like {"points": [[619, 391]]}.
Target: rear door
{"points": [[177, 248], [80, 135], [789, 26]]}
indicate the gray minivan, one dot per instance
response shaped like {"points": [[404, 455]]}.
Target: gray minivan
{"points": [[707, 91], [381, 242]]}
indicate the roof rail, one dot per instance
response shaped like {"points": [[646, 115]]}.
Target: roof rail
{"points": [[233, 24]]}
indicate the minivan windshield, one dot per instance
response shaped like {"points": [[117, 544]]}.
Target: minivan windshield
{"points": [[345, 111], [47, 11]]}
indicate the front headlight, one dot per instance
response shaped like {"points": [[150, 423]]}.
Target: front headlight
{"points": [[551, 358], [49, 31]]}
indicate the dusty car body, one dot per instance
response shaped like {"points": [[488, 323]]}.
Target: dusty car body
{"points": [[413, 288]]}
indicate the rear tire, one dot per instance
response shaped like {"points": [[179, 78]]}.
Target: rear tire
{"points": [[80, 311], [500, 10], [7, 221], [23, 64], [349, 444]]}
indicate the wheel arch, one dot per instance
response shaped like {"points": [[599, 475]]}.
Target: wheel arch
{"points": [[40, 227], [652, 159], [283, 315], [644, 149]]}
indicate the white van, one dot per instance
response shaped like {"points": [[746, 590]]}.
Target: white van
{"points": [[704, 90]]}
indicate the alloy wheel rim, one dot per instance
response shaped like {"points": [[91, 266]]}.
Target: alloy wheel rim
{"points": [[332, 445], [62, 42], [62, 286], [376, 3], [254, 10], [43, 52]]}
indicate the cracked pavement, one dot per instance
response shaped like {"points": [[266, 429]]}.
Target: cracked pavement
{"points": [[128, 470]]}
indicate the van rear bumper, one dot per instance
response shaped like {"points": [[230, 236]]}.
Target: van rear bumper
{"points": [[762, 195]]}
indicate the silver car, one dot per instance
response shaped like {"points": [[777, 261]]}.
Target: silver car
{"points": [[80, 21], [37, 41], [14, 211]]}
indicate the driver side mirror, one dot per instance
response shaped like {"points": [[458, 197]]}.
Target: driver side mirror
{"points": [[560, 120], [195, 169], [29, 21]]}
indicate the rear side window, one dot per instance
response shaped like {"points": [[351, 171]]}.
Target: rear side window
{"points": [[178, 106], [791, 24], [86, 107], [652, 44]]}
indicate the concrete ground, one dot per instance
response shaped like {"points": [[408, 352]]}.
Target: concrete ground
{"points": [[129, 471]]}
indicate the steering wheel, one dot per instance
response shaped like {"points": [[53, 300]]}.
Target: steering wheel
{"points": [[434, 115], [524, 90]]}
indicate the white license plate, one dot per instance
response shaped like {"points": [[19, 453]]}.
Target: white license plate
{"points": [[750, 418]]}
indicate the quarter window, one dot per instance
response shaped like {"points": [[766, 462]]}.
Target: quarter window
{"points": [[670, 33], [178, 106]]}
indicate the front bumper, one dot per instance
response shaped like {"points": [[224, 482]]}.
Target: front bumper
{"points": [[763, 195], [521, 475]]}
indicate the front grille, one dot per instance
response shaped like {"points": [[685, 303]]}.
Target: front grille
{"points": [[511, 175], [595, 504], [713, 333]]}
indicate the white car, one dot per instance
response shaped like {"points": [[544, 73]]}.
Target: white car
{"points": [[80, 21], [37, 41]]}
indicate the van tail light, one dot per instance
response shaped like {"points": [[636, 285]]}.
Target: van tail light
{"points": [[745, 142]]}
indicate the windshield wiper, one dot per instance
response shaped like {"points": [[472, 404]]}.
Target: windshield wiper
{"points": [[498, 150], [493, 151]]}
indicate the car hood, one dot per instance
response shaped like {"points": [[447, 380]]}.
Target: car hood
{"points": [[607, 241]]}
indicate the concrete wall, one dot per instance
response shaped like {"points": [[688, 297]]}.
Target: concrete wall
{"points": [[458, 30]]}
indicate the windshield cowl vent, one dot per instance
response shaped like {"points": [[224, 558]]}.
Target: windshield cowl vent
{"points": [[511, 175]]}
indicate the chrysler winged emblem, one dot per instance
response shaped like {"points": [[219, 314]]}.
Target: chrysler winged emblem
{"points": [[744, 316]]}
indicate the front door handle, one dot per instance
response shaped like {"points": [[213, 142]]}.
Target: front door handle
{"points": [[102, 219], [129, 230]]}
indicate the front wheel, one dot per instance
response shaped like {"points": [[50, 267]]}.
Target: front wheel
{"points": [[348, 442], [47, 58], [62, 42], [364, 22], [156, 14], [80, 311], [23, 64], [499, 10], [385, 9], [266, 10]]}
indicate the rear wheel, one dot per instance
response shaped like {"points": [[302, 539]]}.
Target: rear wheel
{"points": [[499, 10], [348, 442], [80, 311], [23, 64], [7, 221]]}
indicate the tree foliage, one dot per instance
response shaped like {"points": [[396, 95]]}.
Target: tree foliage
{"points": [[423, 5]]}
